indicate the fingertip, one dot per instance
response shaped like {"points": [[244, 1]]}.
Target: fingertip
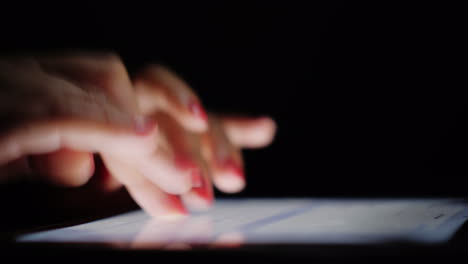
{"points": [[196, 110], [64, 167], [198, 202], [191, 122], [80, 172], [268, 122], [229, 182], [191, 114], [173, 209], [250, 132], [200, 197], [269, 128], [86, 171], [157, 203], [229, 178]]}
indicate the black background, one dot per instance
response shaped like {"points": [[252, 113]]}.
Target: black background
{"points": [[368, 97]]}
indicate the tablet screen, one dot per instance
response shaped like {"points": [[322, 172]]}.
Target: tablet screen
{"points": [[264, 221]]}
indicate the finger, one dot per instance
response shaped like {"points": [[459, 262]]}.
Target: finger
{"points": [[161, 169], [45, 97], [200, 197], [150, 197], [249, 132], [91, 86], [39, 137], [103, 71], [103, 178], [64, 167], [174, 167], [223, 158], [158, 89]]}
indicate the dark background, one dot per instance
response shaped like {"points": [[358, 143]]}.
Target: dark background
{"points": [[367, 96]]}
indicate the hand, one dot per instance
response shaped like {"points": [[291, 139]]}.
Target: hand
{"points": [[213, 154], [54, 104], [78, 105]]}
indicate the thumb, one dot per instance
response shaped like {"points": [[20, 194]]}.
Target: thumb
{"points": [[40, 137]]}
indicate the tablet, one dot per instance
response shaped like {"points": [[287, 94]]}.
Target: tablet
{"points": [[236, 222]]}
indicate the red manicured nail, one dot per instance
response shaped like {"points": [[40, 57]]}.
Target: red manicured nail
{"points": [[197, 110], [204, 191], [144, 125], [233, 166], [197, 180], [176, 203], [184, 163]]}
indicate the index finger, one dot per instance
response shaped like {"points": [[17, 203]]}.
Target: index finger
{"points": [[39, 137], [248, 132], [159, 89]]}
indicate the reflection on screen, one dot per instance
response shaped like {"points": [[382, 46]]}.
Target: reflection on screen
{"points": [[251, 221]]}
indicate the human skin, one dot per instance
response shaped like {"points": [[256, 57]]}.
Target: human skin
{"points": [[152, 132]]}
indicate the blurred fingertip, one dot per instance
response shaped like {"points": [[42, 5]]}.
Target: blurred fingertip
{"points": [[64, 167], [198, 202], [193, 123], [197, 110], [268, 121], [229, 183], [170, 211], [81, 173], [269, 125], [263, 133]]}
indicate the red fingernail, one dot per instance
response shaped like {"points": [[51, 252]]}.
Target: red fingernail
{"points": [[176, 203], [144, 125], [197, 110], [197, 180], [204, 191], [184, 163], [233, 166]]}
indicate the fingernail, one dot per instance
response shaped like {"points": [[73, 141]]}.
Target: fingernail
{"points": [[197, 110], [204, 191], [197, 180], [183, 162], [144, 125], [178, 208], [233, 166]]}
